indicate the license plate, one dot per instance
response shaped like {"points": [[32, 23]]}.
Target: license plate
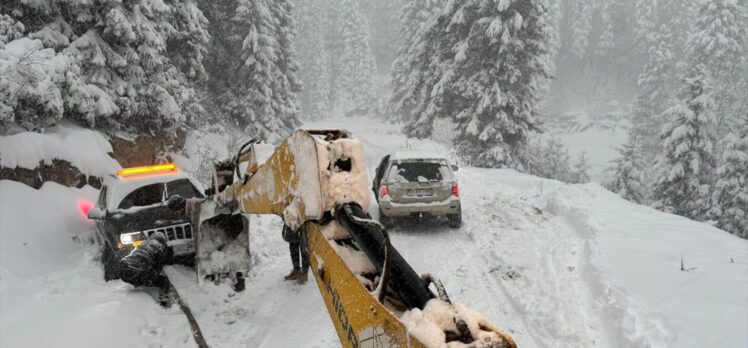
{"points": [[181, 249], [421, 192]]}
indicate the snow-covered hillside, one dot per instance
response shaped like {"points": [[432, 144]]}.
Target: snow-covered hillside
{"points": [[556, 265]]}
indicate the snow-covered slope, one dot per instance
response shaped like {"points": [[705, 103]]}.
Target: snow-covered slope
{"points": [[556, 265], [52, 290], [85, 149]]}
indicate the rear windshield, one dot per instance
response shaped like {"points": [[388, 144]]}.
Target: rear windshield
{"points": [[418, 172], [144, 196], [182, 187]]}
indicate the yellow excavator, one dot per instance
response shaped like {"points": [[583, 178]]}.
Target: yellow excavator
{"points": [[316, 181]]}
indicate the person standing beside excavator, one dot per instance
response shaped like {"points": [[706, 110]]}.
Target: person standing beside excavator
{"points": [[299, 257]]}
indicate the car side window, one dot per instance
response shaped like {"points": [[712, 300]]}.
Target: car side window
{"points": [[144, 196]]}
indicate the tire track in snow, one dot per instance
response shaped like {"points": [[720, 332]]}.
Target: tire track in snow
{"points": [[452, 255], [546, 264]]}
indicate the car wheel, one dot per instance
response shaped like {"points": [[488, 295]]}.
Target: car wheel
{"points": [[109, 262], [455, 220], [385, 220]]}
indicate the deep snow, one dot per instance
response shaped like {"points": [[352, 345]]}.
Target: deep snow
{"points": [[555, 265], [85, 149]]}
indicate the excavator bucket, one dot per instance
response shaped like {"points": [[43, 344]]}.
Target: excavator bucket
{"points": [[222, 249]]}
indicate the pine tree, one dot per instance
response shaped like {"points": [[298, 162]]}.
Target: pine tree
{"points": [[414, 16], [357, 82], [581, 28], [252, 67], [647, 15], [382, 15], [628, 174], [31, 84], [489, 65], [549, 159], [655, 86], [580, 173], [268, 101], [134, 62], [730, 197], [686, 162], [10, 29], [314, 66], [718, 42]]}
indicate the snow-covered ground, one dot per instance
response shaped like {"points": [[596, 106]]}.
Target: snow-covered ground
{"points": [[85, 149], [555, 265], [52, 289]]}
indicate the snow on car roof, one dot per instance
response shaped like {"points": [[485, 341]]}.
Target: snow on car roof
{"points": [[410, 155]]}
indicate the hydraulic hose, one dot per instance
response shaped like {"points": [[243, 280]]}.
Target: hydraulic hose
{"points": [[403, 281]]}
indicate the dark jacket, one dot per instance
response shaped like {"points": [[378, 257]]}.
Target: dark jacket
{"points": [[143, 265]]}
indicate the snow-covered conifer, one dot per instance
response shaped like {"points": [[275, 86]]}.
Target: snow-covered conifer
{"points": [[580, 172], [357, 81], [315, 98], [581, 27], [384, 21], [10, 29], [414, 16], [134, 63], [717, 41], [628, 174], [655, 93], [488, 65], [730, 197], [686, 161], [266, 107]]}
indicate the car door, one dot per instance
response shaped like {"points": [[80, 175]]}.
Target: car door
{"points": [[101, 223], [379, 174]]}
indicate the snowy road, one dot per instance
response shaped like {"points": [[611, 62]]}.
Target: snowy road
{"points": [[555, 265]]}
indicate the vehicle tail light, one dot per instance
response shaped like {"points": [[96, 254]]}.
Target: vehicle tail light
{"points": [[383, 191], [455, 190], [84, 207]]}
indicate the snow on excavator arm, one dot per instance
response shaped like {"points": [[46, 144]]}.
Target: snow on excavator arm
{"points": [[316, 181]]}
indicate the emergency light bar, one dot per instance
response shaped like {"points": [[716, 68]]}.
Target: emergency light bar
{"points": [[161, 168]]}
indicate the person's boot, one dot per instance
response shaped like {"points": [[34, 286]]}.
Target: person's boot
{"points": [[239, 285], [293, 275], [163, 297], [302, 277]]}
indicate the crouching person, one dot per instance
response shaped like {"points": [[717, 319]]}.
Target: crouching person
{"points": [[142, 267]]}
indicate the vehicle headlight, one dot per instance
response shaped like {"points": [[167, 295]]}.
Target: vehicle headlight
{"points": [[130, 238]]}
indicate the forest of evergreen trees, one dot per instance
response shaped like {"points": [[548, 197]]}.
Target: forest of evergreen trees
{"points": [[497, 70]]}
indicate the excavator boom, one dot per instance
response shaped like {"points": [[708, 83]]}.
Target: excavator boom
{"points": [[316, 181]]}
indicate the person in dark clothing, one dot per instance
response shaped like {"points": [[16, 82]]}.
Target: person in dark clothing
{"points": [[299, 257], [142, 267]]}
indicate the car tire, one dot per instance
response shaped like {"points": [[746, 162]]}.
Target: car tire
{"points": [[110, 264], [386, 221], [455, 220]]}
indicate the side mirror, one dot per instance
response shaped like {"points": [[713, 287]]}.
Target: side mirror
{"points": [[455, 168], [96, 214]]}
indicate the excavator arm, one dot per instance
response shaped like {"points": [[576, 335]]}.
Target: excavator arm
{"points": [[316, 181]]}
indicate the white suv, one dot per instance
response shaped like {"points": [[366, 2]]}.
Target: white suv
{"points": [[417, 184]]}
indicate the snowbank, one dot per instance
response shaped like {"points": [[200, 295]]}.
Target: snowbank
{"points": [[85, 149], [53, 289], [38, 227], [587, 268]]}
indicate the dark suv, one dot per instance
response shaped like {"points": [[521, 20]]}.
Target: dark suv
{"points": [[132, 206], [417, 184]]}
